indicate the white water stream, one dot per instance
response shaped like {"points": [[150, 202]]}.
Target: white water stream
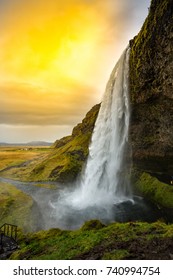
{"points": [[105, 179]]}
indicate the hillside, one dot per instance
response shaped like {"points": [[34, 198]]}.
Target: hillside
{"points": [[16, 207], [69, 154]]}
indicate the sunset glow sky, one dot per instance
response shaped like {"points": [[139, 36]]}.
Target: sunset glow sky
{"points": [[55, 59]]}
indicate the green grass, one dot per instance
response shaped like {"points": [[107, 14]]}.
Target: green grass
{"points": [[15, 207], [94, 241], [63, 164]]}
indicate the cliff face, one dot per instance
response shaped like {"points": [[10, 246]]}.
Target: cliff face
{"points": [[151, 90], [151, 62]]}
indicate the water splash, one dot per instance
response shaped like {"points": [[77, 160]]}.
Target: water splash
{"points": [[105, 180]]}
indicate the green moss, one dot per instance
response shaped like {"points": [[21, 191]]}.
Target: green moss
{"points": [[108, 242], [115, 255], [159, 193], [92, 225]]}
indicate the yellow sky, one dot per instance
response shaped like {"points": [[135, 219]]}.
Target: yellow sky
{"points": [[55, 59]]}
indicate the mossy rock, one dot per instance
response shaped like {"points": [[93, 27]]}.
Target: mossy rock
{"points": [[92, 225], [158, 192], [151, 55], [151, 91]]}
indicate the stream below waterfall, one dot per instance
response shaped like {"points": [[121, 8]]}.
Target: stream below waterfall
{"points": [[136, 209]]}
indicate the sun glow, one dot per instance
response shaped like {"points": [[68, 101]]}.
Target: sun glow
{"points": [[53, 48]]}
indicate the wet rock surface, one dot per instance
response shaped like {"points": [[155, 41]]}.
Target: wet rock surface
{"points": [[7, 247]]}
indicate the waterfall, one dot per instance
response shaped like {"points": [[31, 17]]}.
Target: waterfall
{"points": [[105, 171], [105, 179]]}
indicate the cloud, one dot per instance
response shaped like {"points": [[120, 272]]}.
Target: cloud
{"points": [[27, 133], [28, 105]]}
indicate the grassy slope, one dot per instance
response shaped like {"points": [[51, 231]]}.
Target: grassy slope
{"points": [[64, 163], [95, 241], [15, 206], [69, 154]]}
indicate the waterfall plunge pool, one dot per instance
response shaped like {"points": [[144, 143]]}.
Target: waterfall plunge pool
{"points": [[55, 212]]}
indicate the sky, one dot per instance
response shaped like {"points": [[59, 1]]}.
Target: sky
{"points": [[55, 60]]}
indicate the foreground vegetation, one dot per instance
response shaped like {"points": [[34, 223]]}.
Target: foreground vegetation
{"points": [[96, 241], [15, 207]]}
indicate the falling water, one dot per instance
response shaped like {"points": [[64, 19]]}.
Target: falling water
{"points": [[105, 177], [104, 182], [105, 174]]}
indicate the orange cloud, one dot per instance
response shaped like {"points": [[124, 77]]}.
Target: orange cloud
{"points": [[28, 105]]}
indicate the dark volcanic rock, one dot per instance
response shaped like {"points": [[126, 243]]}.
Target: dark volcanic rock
{"points": [[151, 90]]}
